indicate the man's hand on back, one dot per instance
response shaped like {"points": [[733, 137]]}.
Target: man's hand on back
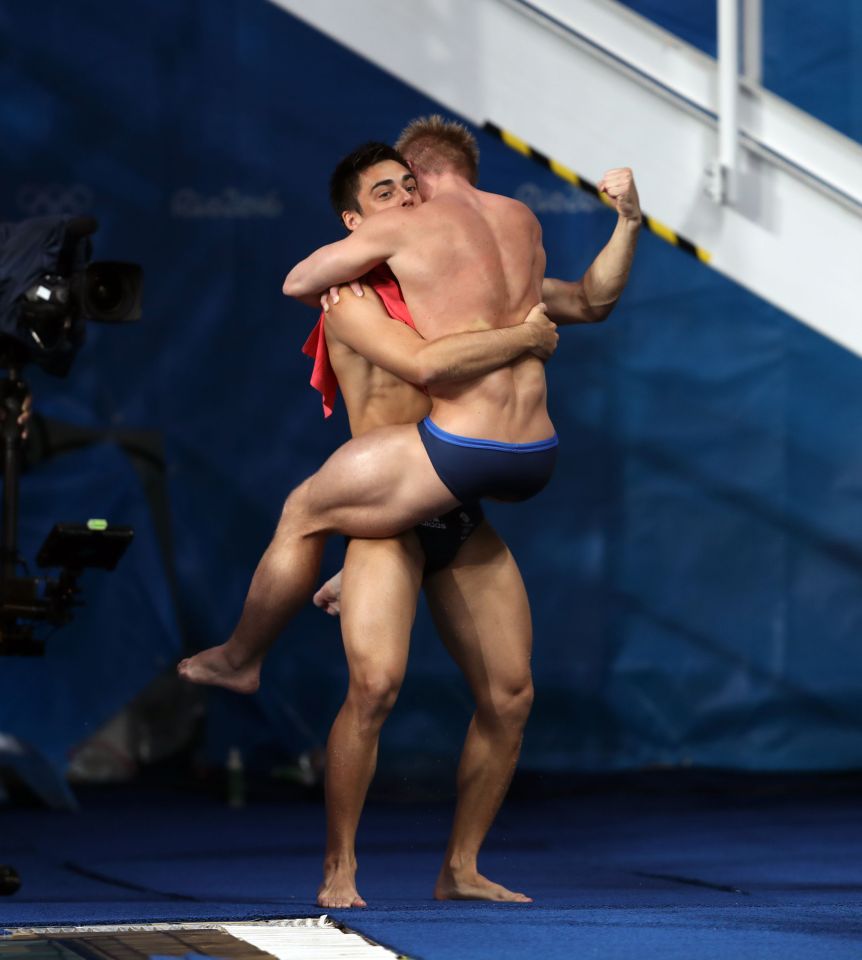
{"points": [[619, 185], [333, 296], [544, 330]]}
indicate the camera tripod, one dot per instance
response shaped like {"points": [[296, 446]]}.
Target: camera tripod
{"points": [[25, 600]]}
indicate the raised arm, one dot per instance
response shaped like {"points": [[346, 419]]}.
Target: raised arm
{"points": [[592, 298], [363, 324], [370, 244]]}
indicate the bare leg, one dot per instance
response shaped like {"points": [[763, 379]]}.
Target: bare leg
{"points": [[376, 485], [379, 590], [278, 588], [481, 610]]}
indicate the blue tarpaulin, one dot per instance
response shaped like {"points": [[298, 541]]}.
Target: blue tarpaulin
{"points": [[695, 564]]}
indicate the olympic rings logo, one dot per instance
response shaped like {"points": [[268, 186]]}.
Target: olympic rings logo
{"points": [[54, 199]]}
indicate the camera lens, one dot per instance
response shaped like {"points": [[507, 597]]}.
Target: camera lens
{"points": [[112, 291], [106, 291]]}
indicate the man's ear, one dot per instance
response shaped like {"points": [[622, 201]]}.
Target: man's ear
{"points": [[351, 219]]}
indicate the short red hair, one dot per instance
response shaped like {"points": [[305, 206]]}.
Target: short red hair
{"points": [[434, 145]]}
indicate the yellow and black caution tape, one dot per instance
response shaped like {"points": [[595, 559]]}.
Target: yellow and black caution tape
{"points": [[564, 173]]}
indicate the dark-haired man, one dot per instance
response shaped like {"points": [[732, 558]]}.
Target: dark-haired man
{"points": [[477, 600], [271, 599], [472, 584]]}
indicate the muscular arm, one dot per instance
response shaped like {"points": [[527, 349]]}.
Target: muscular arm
{"points": [[363, 324], [592, 298], [370, 244]]}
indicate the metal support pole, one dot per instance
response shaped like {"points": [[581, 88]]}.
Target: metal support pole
{"points": [[752, 41], [728, 93], [722, 173]]}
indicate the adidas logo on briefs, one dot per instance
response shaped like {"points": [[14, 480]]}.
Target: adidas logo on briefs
{"points": [[435, 524]]}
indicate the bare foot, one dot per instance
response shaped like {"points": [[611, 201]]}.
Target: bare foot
{"points": [[339, 889], [474, 886], [328, 597], [213, 667]]}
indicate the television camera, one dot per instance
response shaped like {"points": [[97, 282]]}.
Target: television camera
{"points": [[49, 289]]}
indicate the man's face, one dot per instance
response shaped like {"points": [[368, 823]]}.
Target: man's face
{"points": [[384, 186]]}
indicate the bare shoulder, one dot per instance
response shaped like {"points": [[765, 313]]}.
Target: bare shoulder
{"points": [[508, 207], [388, 222], [438, 210], [521, 210]]}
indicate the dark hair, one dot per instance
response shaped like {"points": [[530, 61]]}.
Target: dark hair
{"points": [[344, 182], [435, 145]]}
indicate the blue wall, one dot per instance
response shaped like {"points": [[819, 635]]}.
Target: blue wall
{"points": [[695, 563]]}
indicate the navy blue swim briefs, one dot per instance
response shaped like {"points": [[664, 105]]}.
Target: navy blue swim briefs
{"points": [[473, 468]]}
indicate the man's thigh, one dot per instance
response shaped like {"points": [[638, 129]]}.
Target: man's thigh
{"points": [[481, 611], [375, 485], [379, 590]]}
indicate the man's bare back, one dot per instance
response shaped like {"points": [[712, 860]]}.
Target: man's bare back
{"points": [[467, 253], [489, 250]]}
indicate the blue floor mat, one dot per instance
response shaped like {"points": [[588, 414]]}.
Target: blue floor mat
{"points": [[616, 875]]}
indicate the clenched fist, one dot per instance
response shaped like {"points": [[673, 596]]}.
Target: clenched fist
{"points": [[544, 330], [619, 185]]}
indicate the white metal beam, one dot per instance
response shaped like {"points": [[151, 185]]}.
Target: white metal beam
{"points": [[593, 85], [684, 73]]}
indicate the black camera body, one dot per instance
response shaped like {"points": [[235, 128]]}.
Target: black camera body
{"points": [[49, 289]]}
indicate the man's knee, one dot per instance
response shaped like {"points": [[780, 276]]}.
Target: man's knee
{"points": [[508, 704], [296, 513], [374, 693]]}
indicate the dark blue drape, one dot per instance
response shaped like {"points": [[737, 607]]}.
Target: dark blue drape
{"points": [[694, 565]]}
